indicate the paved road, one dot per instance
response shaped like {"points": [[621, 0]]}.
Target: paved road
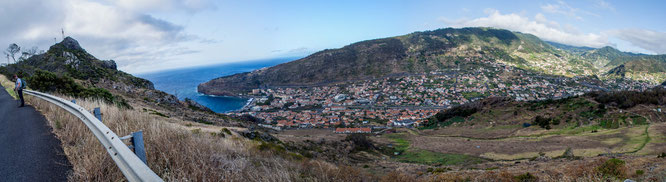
{"points": [[28, 149]]}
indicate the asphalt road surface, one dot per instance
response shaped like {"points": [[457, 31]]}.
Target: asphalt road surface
{"points": [[28, 149]]}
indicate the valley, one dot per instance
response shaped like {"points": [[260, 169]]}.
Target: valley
{"points": [[440, 114], [409, 100], [333, 91]]}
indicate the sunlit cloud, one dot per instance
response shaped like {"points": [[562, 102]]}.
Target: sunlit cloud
{"points": [[540, 26], [645, 39]]}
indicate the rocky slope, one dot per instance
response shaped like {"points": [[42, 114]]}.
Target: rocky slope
{"points": [[69, 69], [422, 52]]}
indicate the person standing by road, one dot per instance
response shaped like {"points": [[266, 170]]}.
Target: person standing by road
{"points": [[18, 88]]}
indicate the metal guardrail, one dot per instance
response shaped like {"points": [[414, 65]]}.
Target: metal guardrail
{"points": [[130, 165]]}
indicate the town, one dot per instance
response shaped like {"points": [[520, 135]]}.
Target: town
{"points": [[407, 101]]}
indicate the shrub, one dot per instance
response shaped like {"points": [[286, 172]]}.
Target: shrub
{"points": [[360, 142], [268, 146], [609, 124], [527, 177], [543, 122], [640, 172], [569, 154], [45, 81], [628, 99], [662, 155], [225, 130], [440, 170], [613, 167]]}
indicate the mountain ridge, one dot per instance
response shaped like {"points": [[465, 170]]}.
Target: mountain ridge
{"points": [[426, 51]]}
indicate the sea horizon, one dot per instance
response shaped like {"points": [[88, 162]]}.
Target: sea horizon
{"points": [[183, 82]]}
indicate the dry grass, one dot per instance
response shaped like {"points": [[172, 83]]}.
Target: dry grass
{"points": [[179, 153], [175, 153], [177, 150], [8, 85]]}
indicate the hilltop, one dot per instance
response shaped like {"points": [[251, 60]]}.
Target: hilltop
{"points": [[423, 52], [70, 59], [67, 68]]}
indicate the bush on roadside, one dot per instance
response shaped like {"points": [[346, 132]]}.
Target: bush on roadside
{"points": [[45, 81]]}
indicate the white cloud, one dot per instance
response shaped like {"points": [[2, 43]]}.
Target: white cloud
{"points": [[541, 27], [114, 30], [604, 5], [565, 9], [164, 5], [561, 9], [540, 18], [128, 37], [645, 39]]}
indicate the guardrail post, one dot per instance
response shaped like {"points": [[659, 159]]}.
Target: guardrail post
{"points": [[98, 113], [139, 150], [137, 145]]}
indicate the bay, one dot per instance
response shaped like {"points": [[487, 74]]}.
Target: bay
{"points": [[183, 82]]}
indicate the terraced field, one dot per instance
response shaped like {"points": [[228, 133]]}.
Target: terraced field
{"points": [[516, 143]]}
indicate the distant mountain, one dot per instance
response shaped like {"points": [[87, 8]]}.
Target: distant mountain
{"points": [[422, 52], [569, 48]]}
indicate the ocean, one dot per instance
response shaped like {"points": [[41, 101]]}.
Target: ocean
{"points": [[183, 82]]}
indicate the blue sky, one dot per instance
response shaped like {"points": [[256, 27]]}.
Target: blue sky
{"points": [[151, 35]]}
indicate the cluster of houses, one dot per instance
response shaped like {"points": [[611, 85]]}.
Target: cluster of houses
{"points": [[409, 100]]}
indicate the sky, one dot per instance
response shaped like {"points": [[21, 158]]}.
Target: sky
{"points": [[152, 35]]}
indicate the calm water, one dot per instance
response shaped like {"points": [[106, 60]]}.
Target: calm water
{"points": [[183, 82]]}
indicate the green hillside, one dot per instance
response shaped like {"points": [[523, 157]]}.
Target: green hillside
{"points": [[423, 52]]}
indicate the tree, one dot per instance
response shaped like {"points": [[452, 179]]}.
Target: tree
{"points": [[28, 53], [33, 50], [12, 50], [360, 142], [24, 56], [544, 122], [7, 54]]}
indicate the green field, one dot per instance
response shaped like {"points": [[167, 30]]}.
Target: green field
{"points": [[411, 155]]}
